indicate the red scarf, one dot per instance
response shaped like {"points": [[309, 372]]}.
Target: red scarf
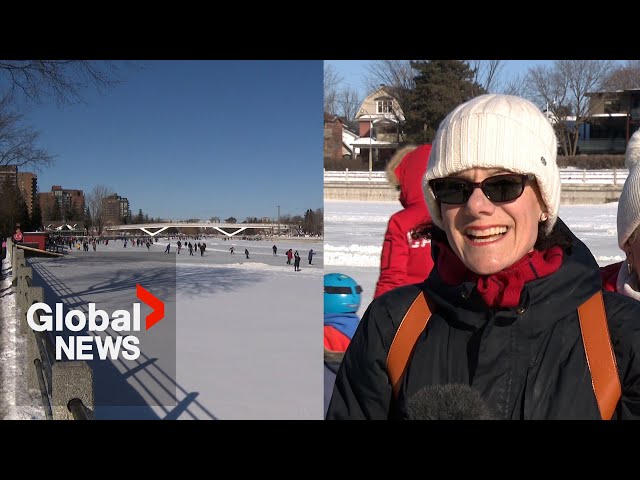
{"points": [[500, 289]]}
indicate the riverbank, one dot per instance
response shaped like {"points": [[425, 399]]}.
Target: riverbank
{"points": [[570, 194]]}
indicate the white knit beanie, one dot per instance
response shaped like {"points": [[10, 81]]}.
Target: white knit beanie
{"points": [[496, 131], [629, 202]]}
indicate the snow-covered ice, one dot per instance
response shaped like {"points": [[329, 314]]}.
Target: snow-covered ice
{"points": [[246, 332]]}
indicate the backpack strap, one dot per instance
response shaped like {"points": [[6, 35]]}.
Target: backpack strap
{"points": [[600, 357], [405, 339]]}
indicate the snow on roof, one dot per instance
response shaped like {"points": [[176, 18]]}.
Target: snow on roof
{"points": [[380, 117], [366, 141], [608, 115]]}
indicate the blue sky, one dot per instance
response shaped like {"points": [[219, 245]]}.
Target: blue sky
{"points": [[352, 70], [195, 139]]}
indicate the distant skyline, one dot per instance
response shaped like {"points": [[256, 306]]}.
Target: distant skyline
{"points": [[352, 71], [194, 139]]}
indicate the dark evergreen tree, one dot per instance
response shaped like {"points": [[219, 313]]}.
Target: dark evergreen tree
{"points": [[71, 213], [319, 226], [36, 212], [23, 215], [440, 86], [313, 222], [56, 212], [11, 207], [87, 218]]}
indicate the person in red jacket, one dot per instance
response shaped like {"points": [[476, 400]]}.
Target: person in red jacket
{"points": [[623, 277], [17, 235], [406, 260]]}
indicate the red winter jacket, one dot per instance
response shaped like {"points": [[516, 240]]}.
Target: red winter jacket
{"points": [[404, 260], [609, 275], [335, 340]]}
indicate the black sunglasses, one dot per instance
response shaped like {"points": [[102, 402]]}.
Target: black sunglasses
{"points": [[342, 290], [501, 188]]}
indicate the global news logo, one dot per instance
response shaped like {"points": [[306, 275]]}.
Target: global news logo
{"points": [[87, 347]]}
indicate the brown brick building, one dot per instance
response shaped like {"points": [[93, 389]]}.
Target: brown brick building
{"points": [[332, 137], [28, 186], [10, 172], [25, 182], [115, 209], [70, 203]]}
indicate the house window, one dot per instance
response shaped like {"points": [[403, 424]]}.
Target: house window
{"points": [[384, 106], [612, 106]]}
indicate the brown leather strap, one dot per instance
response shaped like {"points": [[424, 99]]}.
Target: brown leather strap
{"points": [[600, 357], [405, 339]]}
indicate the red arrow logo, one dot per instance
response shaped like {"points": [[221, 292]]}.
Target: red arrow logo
{"points": [[154, 302]]}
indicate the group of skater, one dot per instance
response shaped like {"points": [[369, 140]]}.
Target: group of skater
{"points": [[200, 246], [290, 254], [295, 256], [232, 251], [83, 243]]}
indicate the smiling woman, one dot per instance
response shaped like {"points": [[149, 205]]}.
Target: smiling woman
{"points": [[507, 297]]}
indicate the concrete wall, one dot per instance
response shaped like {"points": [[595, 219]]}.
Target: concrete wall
{"points": [[589, 194], [339, 191], [571, 194]]}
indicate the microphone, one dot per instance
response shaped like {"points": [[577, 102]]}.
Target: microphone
{"points": [[447, 402]]}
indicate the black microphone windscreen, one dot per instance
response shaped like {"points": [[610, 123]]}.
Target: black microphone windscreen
{"points": [[447, 402]]}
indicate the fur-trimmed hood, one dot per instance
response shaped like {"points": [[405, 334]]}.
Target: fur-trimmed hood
{"points": [[629, 201], [406, 169]]}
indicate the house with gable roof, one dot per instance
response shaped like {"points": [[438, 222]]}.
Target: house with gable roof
{"points": [[380, 121]]}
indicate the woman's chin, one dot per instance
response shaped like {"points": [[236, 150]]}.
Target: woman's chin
{"points": [[482, 267]]}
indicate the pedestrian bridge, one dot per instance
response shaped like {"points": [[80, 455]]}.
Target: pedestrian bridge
{"points": [[153, 229]]}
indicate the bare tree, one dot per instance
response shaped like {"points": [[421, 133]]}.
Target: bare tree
{"points": [[18, 143], [330, 87], [487, 73], [396, 74], [96, 208], [64, 80], [399, 74], [349, 101], [624, 76], [562, 90], [515, 85], [35, 81]]}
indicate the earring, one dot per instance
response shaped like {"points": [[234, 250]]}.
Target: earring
{"points": [[543, 217], [629, 266]]}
